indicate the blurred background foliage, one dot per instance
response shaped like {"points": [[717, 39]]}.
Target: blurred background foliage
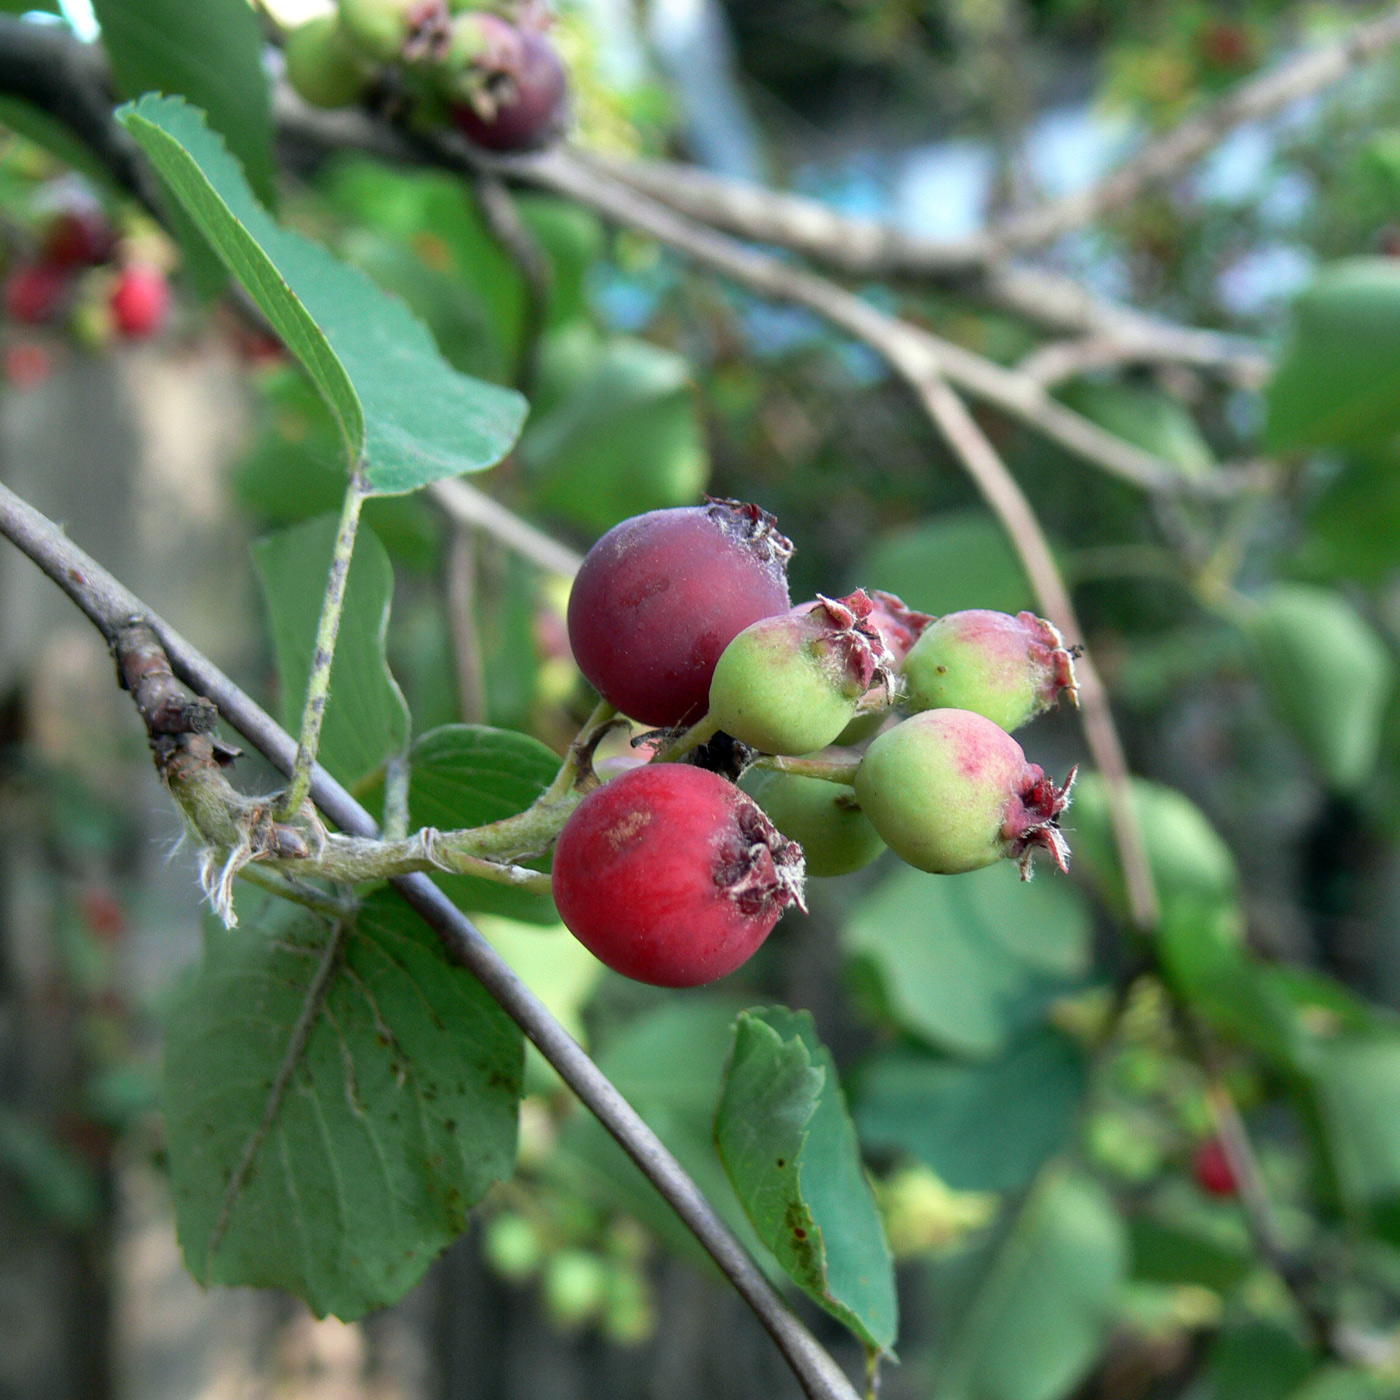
{"points": [[1028, 1090]]}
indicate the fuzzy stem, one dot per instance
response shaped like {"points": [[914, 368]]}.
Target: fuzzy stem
{"points": [[831, 770], [318, 686], [580, 751]]}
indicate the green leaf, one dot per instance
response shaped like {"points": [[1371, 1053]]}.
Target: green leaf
{"points": [[396, 1116], [468, 775], [957, 560], [1044, 1311], [20, 7], [790, 1149], [55, 1178], [1256, 1360], [573, 240], [1355, 1080], [669, 1065], [1328, 675], [627, 439], [1147, 418], [1338, 381], [399, 406], [296, 470], [1200, 1247], [981, 1127], [366, 719], [966, 961], [1344, 1383], [1353, 529], [1188, 859], [209, 53]]}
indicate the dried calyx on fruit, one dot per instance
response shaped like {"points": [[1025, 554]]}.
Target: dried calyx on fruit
{"points": [[949, 791], [1007, 669], [899, 624], [670, 875], [660, 596], [389, 31], [506, 84], [791, 684]]}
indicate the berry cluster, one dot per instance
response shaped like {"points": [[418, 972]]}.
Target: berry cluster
{"points": [[69, 270], [673, 874], [491, 70]]}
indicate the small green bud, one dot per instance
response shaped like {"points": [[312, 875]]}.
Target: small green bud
{"points": [[575, 1286], [512, 1247]]}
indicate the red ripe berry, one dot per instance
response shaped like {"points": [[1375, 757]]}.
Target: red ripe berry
{"points": [[79, 238], [671, 875], [140, 301], [517, 90], [660, 596], [1212, 1169], [33, 292]]}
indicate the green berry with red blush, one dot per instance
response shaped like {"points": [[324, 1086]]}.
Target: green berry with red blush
{"points": [[824, 818], [1007, 669], [949, 792], [791, 684]]}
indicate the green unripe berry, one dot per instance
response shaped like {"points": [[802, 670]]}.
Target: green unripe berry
{"points": [[628, 1315], [823, 818], [790, 684], [381, 28], [1007, 669], [322, 64], [512, 1247], [950, 792], [575, 1286]]}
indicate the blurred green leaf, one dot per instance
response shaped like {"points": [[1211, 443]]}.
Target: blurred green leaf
{"points": [[558, 969], [1046, 1307], [1172, 1250], [1338, 381], [467, 775], [1256, 1361], [626, 440], [60, 1183], [957, 560], [366, 719], [573, 240], [669, 1065], [1146, 417], [399, 1114], [966, 961], [788, 1145], [210, 54], [1357, 1084], [1353, 531], [1344, 1383], [34, 124], [1188, 859], [1328, 675], [982, 1127], [400, 408]]}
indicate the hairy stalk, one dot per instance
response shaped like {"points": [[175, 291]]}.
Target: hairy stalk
{"points": [[318, 686], [296, 891], [397, 775], [578, 762], [701, 732], [831, 770]]}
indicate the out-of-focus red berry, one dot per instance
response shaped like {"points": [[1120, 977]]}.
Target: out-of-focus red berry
{"points": [[79, 238], [1213, 1171], [27, 365], [33, 292], [140, 301]]}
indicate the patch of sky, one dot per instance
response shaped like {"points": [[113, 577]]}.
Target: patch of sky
{"points": [[1259, 283]]}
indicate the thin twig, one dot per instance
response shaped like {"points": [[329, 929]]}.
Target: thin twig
{"points": [[296, 1047], [469, 506], [461, 617], [1001, 492], [108, 605]]}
